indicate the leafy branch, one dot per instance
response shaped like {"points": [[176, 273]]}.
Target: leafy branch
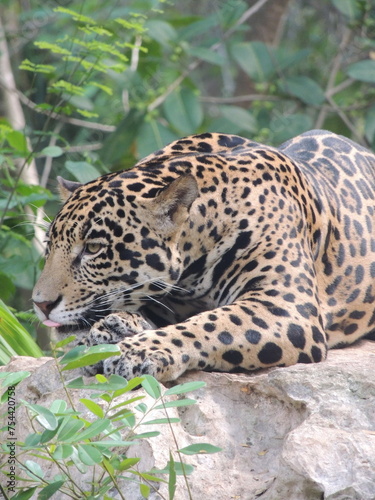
{"points": [[61, 434]]}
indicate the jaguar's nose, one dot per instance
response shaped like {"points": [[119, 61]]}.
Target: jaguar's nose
{"points": [[47, 305]]}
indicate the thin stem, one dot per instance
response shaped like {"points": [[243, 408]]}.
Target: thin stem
{"points": [[192, 66], [341, 86], [48, 163], [177, 450], [335, 67], [83, 147], [114, 481], [346, 120], [240, 98], [62, 377], [56, 462]]}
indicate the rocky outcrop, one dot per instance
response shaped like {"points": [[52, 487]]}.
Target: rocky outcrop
{"points": [[306, 432]]}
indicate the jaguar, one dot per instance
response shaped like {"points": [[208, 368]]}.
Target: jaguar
{"points": [[217, 253]]}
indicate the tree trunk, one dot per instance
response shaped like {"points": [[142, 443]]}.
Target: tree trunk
{"points": [[12, 109]]}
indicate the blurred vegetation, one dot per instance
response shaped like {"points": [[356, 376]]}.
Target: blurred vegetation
{"points": [[88, 87]]}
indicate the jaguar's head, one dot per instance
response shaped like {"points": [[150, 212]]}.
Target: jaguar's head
{"points": [[112, 246]]}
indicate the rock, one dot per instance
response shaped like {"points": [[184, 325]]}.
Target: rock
{"points": [[305, 432]]}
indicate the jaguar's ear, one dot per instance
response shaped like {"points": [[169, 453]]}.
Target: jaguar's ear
{"points": [[172, 205], [66, 188]]}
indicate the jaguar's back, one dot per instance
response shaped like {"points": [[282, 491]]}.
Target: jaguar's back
{"points": [[342, 174]]}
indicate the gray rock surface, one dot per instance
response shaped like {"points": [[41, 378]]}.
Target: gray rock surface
{"points": [[305, 432]]}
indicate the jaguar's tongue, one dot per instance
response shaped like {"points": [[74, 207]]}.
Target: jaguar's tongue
{"points": [[51, 323]]}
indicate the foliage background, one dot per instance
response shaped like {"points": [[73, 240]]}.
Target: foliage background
{"points": [[86, 93]]}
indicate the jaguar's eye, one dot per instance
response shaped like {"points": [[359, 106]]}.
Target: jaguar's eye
{"points": [[92, 248]]}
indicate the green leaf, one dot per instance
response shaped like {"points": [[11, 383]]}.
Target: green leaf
{"points": [[129, 421], [50, 490], [183, 388], [145, 490], [153, 136], [172, 477], [147, 477], [146, 435], [63, 451], [240, 116], [12, 378], [179, 467], [87, 114], [78, 383], [202, 26], [287, 58], [127, 463], [303, 87], [58, 406], [131, 25], [199, 448], [176, 404], [130, 385], [32, 194], [52, 151], [161, 31], [18, 141], [370, 125], [52, 47], [162, 421], [285, 127], [363, 71], [70, 429], [88, 454], [7, 287], [100, 48], [84, 172], [124, 413], [75, 15], [16, 335], [64, 342], [70, 88], [127, 402], [207, 55], [115, 383], [94, 429], [89, 30], [255, 59], [108, 443], [347, 7], [104, 88], [78, 462], [142, 407], [119, 142], [110, 465], [93, 407], [93, 355], [73, 354], [151, 386], [47, 435], [33, 469], [27, 65], [183, 111], [32, 440], [44, 416], [25, 495]]}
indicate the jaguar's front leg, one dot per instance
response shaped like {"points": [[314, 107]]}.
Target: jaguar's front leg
{"points": [[111, 330], [248, 334]]}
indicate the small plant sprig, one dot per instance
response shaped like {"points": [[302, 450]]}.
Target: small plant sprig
{"points": [[98, 447]]}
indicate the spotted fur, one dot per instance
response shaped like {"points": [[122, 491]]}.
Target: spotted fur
{"points": [[217, 253]]}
